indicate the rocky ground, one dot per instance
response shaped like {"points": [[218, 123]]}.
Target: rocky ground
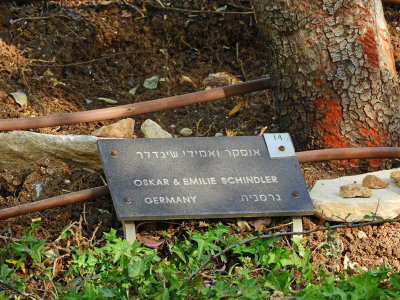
{"points": [[65, 55]]}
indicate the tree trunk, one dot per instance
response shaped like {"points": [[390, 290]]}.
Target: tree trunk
{"points": [[334, 77]]}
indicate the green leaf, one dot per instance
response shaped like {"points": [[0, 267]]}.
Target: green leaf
{"points": [[136, 269], [90, 292], [51, 254], [107, 293], [200, 243], [20, 98], [165, 295], [5, 271], [132, 91], [222, 8], [107, 100], [103, 211], [395, 281], [151, 83], [177, 249], [279, 281], [110, 236]]}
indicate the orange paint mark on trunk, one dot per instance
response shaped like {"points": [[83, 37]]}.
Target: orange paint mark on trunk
{"points": [[375, 163], [335, 141], [370, 47], [330, 123], [368, 133], [335, 112], [388, 49], [354, 163], [367, 12]]}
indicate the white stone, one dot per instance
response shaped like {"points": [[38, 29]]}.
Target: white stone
{"points": [[151, 129], [328, 205], [23, 148], [361, 234]]}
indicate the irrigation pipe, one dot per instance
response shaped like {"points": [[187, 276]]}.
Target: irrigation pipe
{"points": [[136, 108], [61, 200], [348, 153], [306, 156]]}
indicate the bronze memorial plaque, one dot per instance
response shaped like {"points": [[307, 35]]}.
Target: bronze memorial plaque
{"points": [[207, 177]]}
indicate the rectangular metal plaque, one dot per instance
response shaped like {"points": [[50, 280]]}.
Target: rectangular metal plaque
{"points": [[209, 177]]}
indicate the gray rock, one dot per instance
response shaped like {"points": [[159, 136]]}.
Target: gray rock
{"points": [[23, 148], [151, 129], [328, 204], [354, 190]]}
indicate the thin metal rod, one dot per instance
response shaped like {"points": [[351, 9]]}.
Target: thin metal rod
{"points": [[305, 156], [57, 201], [348, 153], [135, 108]]}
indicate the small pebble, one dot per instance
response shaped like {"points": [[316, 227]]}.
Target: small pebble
{"points": [[374, 182], [218, 134], [186, 131], [361, 234]]}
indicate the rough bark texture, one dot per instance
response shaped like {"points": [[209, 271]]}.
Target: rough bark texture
{"points": [[333, 71]]}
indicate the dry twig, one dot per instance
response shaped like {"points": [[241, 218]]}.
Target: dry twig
{"points": [[15, 290], [183, 10]]}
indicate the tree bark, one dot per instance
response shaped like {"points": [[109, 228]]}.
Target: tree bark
{"points": [[333, 71]]}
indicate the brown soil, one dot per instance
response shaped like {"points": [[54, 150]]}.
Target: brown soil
{"points": [[64, 53]]}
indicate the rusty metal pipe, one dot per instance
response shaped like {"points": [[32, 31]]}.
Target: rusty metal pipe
{"points": [[348, 153], [61, 200], [305, 156], [135, 108]]}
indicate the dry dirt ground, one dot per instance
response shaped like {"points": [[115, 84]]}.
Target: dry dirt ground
{"points": [[66, 54]]}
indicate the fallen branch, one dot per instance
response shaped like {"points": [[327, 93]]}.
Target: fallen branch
{"points": [[266, 236], [193, 11]]}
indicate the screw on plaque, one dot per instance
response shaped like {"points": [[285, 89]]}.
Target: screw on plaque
{"points": [[281, 148], [128, 200], [295, 194], [114, 153]]}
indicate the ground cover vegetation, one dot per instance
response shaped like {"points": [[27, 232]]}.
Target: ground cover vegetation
{"points": [[113, 268]]}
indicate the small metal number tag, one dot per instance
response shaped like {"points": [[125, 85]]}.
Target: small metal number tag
{"points": [[279, 145]]}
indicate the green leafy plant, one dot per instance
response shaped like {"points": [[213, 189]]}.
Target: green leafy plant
{"points": [[238, 269]]}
